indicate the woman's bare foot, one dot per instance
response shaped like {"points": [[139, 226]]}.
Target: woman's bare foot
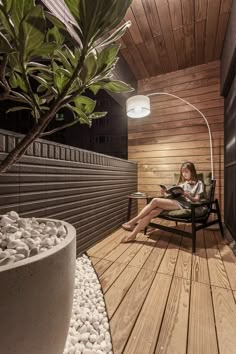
{"points": [[128, 238], [126, 226]]}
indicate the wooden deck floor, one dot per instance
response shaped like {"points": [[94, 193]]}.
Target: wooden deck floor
{"points": [[162, 299]]}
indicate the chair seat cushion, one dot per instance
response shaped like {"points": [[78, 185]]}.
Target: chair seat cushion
{"points": [[185, 213]]}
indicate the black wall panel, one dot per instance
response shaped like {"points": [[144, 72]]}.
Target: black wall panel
{"points": [[230, 159], [85, 188]]}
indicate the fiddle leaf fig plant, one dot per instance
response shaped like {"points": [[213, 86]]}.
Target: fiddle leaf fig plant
{"points": [[46, 66]]}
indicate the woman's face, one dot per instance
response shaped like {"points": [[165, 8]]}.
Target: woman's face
{"points": [[186, 173]]}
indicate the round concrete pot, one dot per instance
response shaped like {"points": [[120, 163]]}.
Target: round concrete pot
{"points": [[36, 296]]}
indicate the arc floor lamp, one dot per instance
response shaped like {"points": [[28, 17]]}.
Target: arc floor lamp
{"points": [[139, 106]]}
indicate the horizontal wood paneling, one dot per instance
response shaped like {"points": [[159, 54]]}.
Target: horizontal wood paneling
{"points": [[167, 35], [175, 132], [87, 189]]}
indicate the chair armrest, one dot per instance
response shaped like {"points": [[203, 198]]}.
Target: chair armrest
{"points": [[197, 205]]}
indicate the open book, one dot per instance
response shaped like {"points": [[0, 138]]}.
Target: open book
{"points": [[174, 191]]}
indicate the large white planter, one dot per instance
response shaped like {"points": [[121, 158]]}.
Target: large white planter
{"points": [[36, 296]]}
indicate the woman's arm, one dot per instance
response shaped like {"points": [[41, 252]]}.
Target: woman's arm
{"points": [[196, 198]]}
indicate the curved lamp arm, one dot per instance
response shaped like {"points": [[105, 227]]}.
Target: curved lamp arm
{"points": [[191, 105]]}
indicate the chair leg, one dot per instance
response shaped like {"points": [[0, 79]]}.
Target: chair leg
{"points": [[219, 218], [194, 238], [193, 232], [145, 230], [176, 223]]}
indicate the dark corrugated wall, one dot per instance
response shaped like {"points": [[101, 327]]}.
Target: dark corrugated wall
{"points": [[85, 188]]}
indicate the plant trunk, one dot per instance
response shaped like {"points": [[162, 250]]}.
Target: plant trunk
{"points": [[20, 149]]}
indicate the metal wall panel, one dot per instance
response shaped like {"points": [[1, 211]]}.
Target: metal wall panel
{"points": [[230, 159], [87, 189]]}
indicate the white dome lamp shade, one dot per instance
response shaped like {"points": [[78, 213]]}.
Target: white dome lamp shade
{"points": [[138, 106]]}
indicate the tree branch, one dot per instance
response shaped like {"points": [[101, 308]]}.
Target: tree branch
{"points": [[42, 123], [58, 128]]}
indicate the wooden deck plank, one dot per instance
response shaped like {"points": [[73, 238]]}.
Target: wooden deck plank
{"points": [[168, 263], [202, 335], [225, 317], [102, 266], [131, 251], [124, 318], [199, 265], [110, 275], [104, 242], [228, 259], [145, 332], [173, 334], [111, 246], [184, 261], [147, 286], [218, 276], [157, 254], [142, 255], [119, 288], [94, 260], [122, 247]]}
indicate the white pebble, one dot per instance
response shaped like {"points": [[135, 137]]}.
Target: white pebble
{"points": [[89, 319], [25, 237]]}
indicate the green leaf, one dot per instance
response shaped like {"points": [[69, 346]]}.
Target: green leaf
{"points": [[55, 20], [95, 88], [4, 20], [18, 108], [46, 50], [81, 116], [32, 32], [64, 60], [19, 10], [7, 4], [97, 115], [74, 8], [54, 35], [117, 34], [13, 80], [90, 68], [20, 82], [86, 104], [117, 86], [22, 97], [107, 57], [5, 46]]}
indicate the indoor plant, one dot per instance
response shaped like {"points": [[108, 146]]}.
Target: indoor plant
{"points": [[44, 69]]}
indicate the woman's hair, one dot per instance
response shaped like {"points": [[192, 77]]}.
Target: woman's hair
{"points": [[190, 166]]}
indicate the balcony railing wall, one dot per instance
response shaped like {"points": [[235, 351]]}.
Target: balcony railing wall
{"points": [[85, 188]]}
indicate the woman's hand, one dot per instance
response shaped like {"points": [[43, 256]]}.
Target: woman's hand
{"points": [[163, 192], [186, 194]]}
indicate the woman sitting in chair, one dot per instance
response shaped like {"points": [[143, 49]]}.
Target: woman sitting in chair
{"points": [[192, 191]]}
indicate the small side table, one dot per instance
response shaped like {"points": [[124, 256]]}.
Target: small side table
{"points": [[131, 198]]}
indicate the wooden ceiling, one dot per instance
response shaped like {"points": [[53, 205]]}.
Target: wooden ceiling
{"points": [[168, 35]]}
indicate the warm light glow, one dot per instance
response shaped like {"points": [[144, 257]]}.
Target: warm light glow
{"points": [[138, 106]]}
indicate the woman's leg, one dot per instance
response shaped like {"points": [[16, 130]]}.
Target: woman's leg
{"points": [[141, 225], [161, 203]]}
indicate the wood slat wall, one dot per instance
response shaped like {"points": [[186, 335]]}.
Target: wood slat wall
{"points": [[175, 132], [87, 189], [167, 35]]}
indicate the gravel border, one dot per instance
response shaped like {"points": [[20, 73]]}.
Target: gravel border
{"points": [[89, 331]]}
